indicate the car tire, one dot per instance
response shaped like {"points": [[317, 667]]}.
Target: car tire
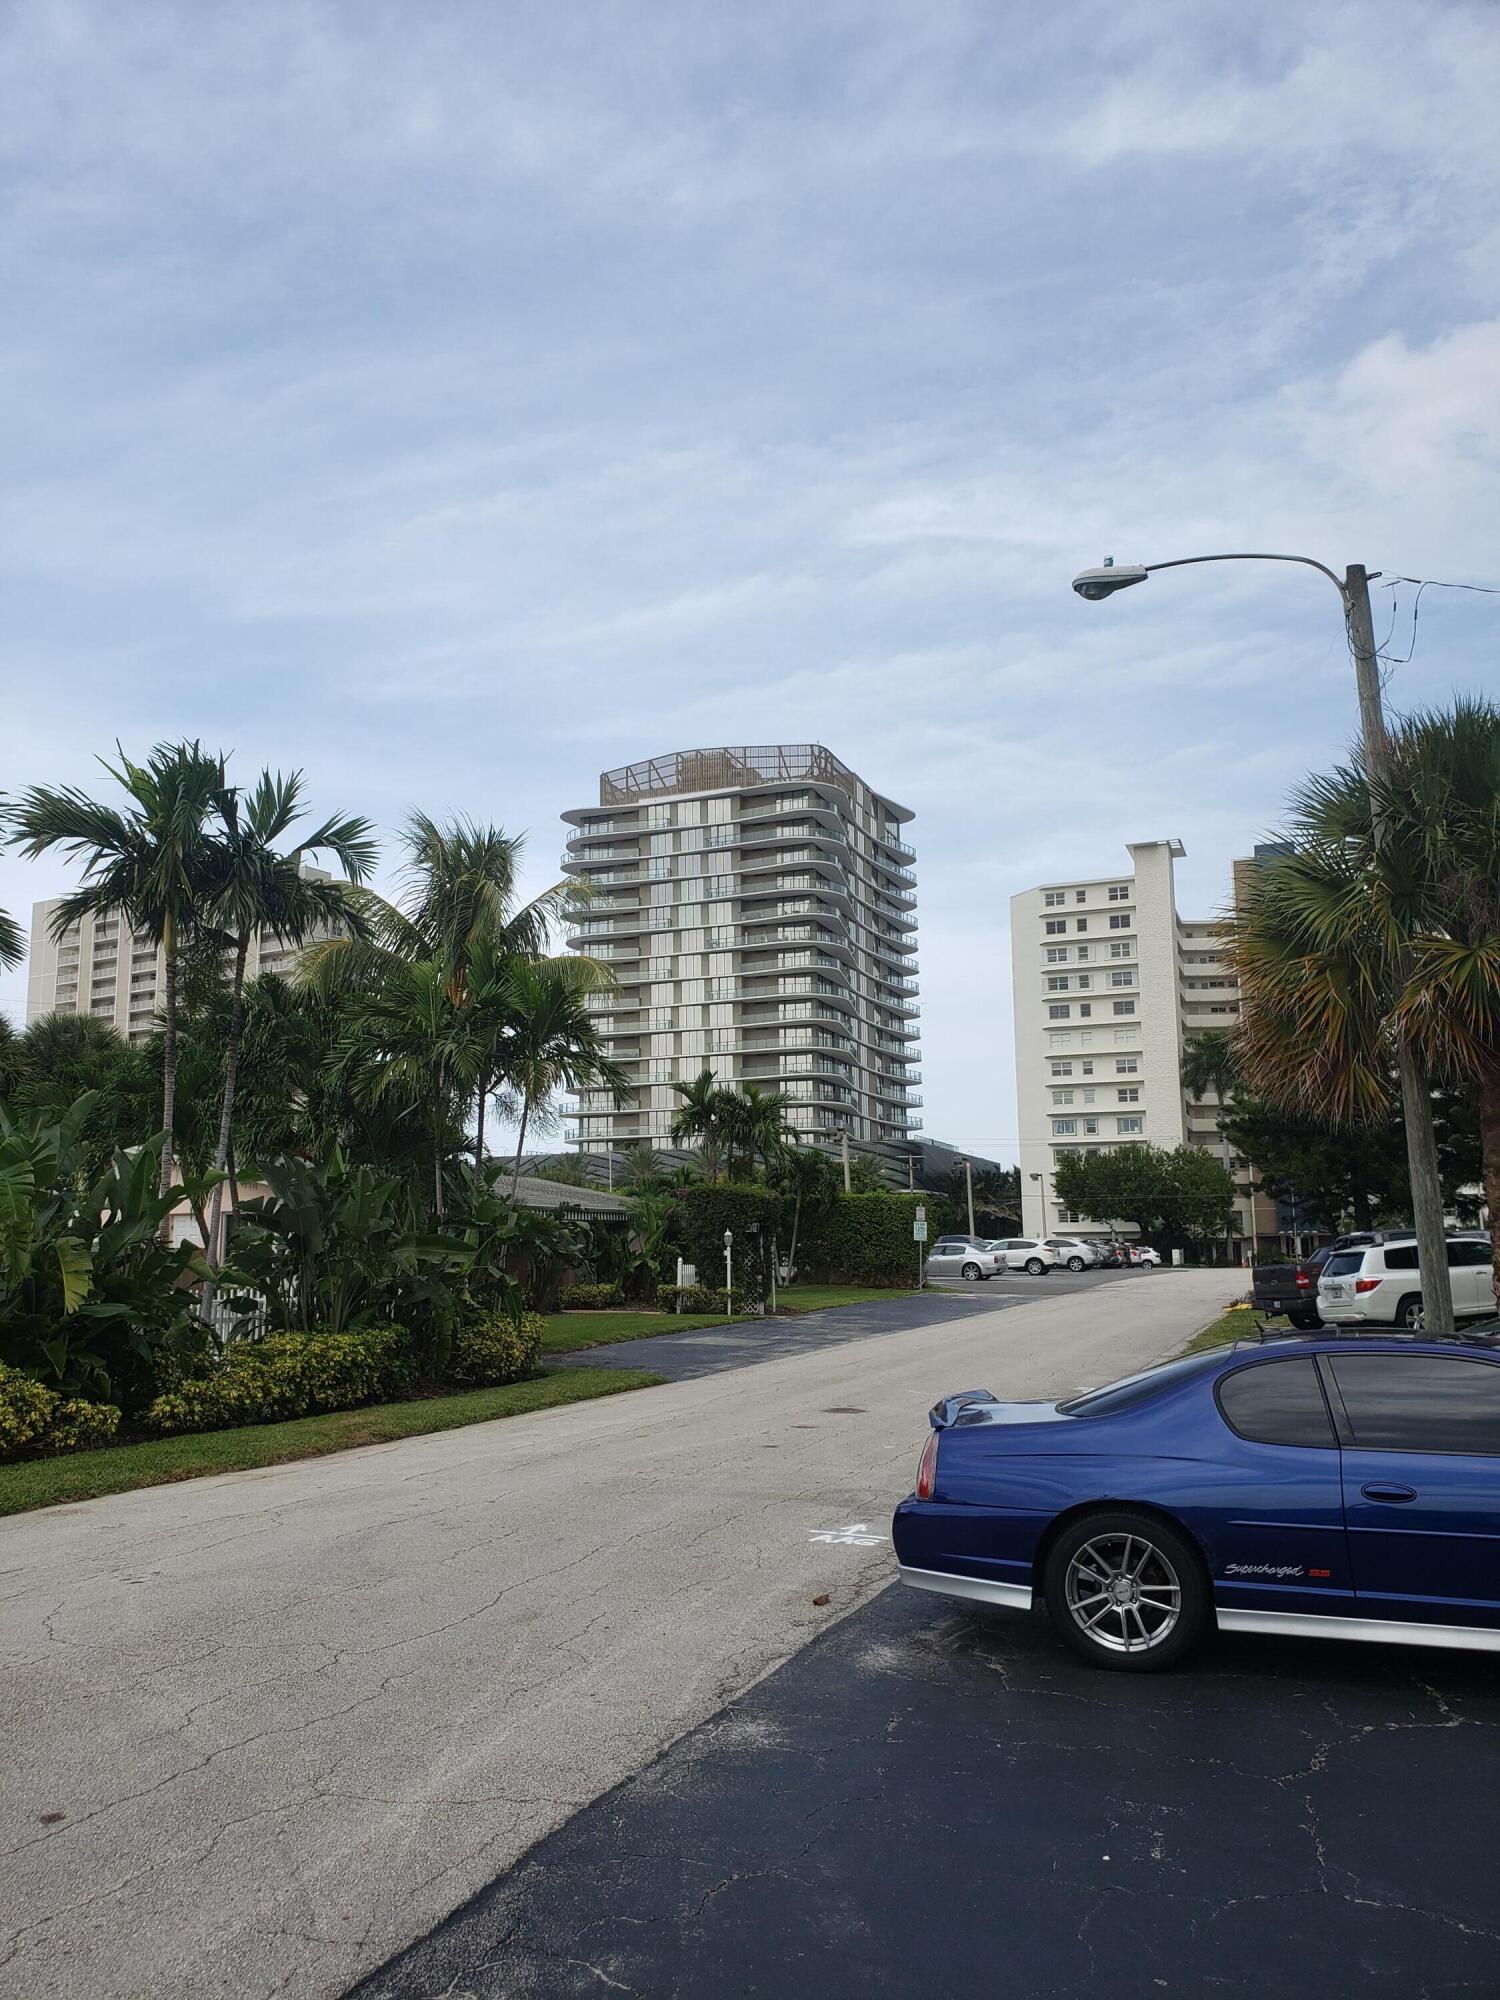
{"points": [[1076, 1264], [1304, 1322], [970, 1271], [1166, 1617], [1410, 1314], [1034, 1267]]}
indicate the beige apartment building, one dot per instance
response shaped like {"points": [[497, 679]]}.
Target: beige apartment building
{"points": [[1111, 985], [101, 967], [758, 906]]}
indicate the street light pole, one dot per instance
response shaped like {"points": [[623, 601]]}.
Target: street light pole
{"points": [[969, 1188], [1416, 1094]]}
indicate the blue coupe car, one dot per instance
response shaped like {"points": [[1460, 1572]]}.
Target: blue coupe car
{"points": [[1333, 1487]]}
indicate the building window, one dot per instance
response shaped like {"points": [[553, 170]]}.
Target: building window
{"points": [[1080, 923], [1122, 979], [1119, 950], [1080, 895], [1058, 1012], [1088, 1096], [1126, 1066], [1119, 892], [1057, 982], [1084, 982], [1062, 1069], [1063, 1127], [1057, 954], [1083, 954], [1053, 898], [1129, 1095], [1129, 1124], [1124, 1006], [1062, 1097], [1087, 1067], [1090, 1127], [1085, 1009], [1055, 926], [1124, 1037]]}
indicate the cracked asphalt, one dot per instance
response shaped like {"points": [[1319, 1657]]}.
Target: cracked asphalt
{"points": [[930, 1800], [264, 1730]]}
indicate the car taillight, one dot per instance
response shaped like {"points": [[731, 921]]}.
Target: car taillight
{"points": [[1304, 1280], [1365, 1284], [927, 1468]]}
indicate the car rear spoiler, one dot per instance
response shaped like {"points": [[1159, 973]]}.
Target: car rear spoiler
{"points": [[950, 1411]]}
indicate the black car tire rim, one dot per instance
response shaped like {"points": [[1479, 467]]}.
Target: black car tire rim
{"points": [[1123, 1593]]}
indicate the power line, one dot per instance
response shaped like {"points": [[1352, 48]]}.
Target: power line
{"points": [[1422, 583]]}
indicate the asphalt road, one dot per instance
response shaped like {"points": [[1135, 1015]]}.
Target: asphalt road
{"points": [[264, 1730], [932, 1801]]}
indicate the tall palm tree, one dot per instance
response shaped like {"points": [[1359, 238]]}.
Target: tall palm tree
{"points": [[1349, 945], [12, 940], [1209, 1064], [811, 1181], [765, 1125], [700, 1121], [552, 1044], [152, 863], [259, 888]]}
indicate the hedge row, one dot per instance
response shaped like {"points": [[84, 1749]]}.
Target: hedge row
{"points": [[590, 1298], [35, 1422], [270, 1381], [692, 1298], [866, 1239]]}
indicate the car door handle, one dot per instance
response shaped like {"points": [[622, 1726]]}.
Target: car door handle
{"points": [[1392, 1493]]}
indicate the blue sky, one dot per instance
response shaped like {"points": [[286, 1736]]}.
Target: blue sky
{"points": [[454, 401]]}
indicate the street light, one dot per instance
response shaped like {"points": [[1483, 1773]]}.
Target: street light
{"points": [[1416, 1098]]}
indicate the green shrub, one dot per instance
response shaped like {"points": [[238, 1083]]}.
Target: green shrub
{"points": [[36, 1423], [590, 1298], [692, 1298], [491, 1349], [699, 1217], [866, 1239], [290, 1375]]}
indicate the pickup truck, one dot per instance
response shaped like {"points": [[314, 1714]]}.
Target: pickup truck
{"points": [[1293, 1288]]}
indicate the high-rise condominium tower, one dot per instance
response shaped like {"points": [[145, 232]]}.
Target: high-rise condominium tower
{"points": [[758, 907]]}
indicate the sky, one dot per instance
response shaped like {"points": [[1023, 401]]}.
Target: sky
{"points": [[455, 401]]}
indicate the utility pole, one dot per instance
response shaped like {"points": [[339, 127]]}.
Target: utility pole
{"points": [[844, 1149], [969, 1185], [1416, 1092], [911, 1173]]}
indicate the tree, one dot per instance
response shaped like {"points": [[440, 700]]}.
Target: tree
{"points": [[551, 1044], [867, 1174], [1352, 946], [152, 863], [1209, 1063], [258, 888], [12, 940], [810, 1180], [700, 1120], [1183, 1195]]}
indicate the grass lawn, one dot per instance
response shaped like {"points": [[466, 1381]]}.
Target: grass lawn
{"points": [[566, 1332], [1235, 1324], [814, 1298], [85, 1475]]}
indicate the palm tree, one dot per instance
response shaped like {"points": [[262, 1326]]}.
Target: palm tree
{"points": [[1209, 1064], [700, 1120], [765, 1124], [1349, 947], [551, 1044], [811, 1181], [153, 863], [258, 888], [12, 940]]}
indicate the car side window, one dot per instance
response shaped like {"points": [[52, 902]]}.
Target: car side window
{"points": [[1402, 1257], [1420, 1402], [1277, 1402], [1468, 1254]]}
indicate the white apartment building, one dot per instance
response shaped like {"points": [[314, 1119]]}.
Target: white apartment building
{"points": [[758, 906], [1111, 984], [101, 967]]}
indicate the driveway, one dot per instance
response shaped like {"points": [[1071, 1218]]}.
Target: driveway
{"points": [[934, 1801], [264, 1730]]}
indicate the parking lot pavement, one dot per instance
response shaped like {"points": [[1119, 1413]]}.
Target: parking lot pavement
{"points": [[935, 1801], [710, 1350]]}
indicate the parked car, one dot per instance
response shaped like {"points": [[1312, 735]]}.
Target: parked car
{"points": [[963, 1257], [1380, 1284], [1143, 1253], [1292, 1288], [1026, 1253], [1113, 1255], [1075, 1252], [1336, 1486]]}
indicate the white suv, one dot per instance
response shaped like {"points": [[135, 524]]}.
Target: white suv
{"points": [[1380, 1285], [1026, 1253], [1077, 1254]]}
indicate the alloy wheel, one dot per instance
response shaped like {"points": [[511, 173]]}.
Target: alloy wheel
{"points": [[1123, 1593]]}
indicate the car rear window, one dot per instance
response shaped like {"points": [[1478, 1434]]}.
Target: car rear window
{"points": [[1344, 1263], [1276, 1402], [1133, 1389]]}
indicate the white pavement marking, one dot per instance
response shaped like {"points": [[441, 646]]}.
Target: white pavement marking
{"points": [[856, 1536], [291, 1718]]}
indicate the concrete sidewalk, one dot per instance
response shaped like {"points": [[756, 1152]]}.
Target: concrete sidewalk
{"points": [[266, 1729]]}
